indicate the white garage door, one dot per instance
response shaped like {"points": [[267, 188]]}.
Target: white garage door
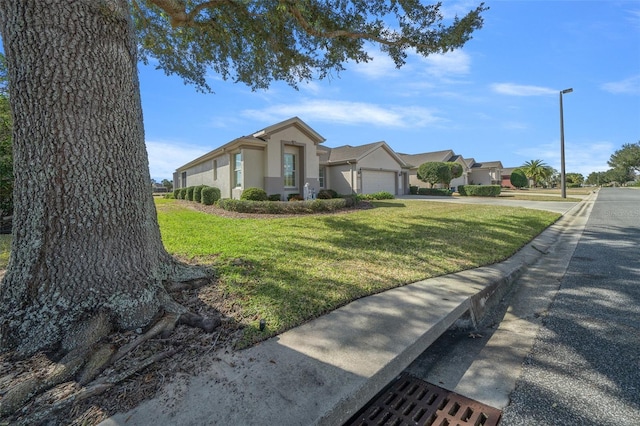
{"points": [[376, 181]]}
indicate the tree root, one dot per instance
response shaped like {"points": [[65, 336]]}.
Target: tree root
{"points": [[85, 362], [93, 389]]}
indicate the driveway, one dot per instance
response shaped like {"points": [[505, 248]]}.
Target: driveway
{"points": [[555, 206]]}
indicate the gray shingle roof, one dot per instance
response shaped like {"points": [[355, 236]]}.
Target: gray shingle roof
{"points": [[415, 160]]}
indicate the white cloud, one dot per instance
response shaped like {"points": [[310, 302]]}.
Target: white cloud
{"points": [[165, 157], [630, 86], [522, 90], [351, 113], [447, 64], [380, 66]]}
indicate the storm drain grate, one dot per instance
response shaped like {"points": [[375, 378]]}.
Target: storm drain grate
{"points": [[411, 401]]}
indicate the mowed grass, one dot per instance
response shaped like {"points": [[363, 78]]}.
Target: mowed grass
{"points": [[542, 194], [5, 246], [289, 270]]}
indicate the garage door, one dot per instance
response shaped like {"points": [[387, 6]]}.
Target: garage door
{"points": [[376, 181]]}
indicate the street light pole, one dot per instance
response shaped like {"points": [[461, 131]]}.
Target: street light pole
{"points": [[563, 180]]}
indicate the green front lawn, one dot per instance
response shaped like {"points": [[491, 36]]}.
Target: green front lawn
{"points": [[5, 245], [292, 269]]}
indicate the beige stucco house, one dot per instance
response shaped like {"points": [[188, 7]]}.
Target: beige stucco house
{"points": [[284, 157], [416, 160], [485, 173], [280, 159], [364, 169]]}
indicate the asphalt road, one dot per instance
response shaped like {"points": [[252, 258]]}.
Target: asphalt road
{"points": [[563, 346], [584, 368]]}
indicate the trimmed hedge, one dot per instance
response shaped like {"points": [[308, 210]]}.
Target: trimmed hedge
{"points": [[275, 197], [176, 193], [434, 191], [183, 194], [254, 194], [210, 195], [479, 190], [326, 194], [189, 196], [197, 193], [382, 195], [281, 207], [413, 190]]}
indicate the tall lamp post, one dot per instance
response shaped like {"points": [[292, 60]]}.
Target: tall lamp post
{"points": [[563, 180]]}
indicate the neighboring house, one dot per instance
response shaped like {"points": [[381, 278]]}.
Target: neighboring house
{"points": [[280, 159], [506, 177], [487, 173], [363, 169], [416, 160]]}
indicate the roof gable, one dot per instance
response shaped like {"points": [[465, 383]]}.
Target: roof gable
{"points": [[348, 153], [415, 160], [293, 121]]}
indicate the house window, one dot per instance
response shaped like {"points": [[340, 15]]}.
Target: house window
{"points": [[321, 177], [237, 170], [183, 184], [289, 170], [215, 169]]}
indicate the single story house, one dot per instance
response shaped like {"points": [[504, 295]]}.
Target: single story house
{"points": [[287, 157], [506, 177], [485, 173], [364, 169], [416, 160]]}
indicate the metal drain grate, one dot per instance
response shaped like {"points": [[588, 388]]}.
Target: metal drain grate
{"points": [[411, 401]]}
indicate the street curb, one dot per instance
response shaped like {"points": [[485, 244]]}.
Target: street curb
{"points": [[498, 280]]}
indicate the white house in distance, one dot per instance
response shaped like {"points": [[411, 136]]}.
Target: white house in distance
{"points": [[285, 157]]}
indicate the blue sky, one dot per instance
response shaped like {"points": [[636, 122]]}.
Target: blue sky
{"points": [[497, 98]]}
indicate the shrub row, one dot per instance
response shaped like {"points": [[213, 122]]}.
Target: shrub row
{"points": [[282, 207], [202, 194], [479, 190], [434, 191], [382, 195]]}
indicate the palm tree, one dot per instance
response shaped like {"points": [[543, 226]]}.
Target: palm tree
{"points": [[535, 170]]}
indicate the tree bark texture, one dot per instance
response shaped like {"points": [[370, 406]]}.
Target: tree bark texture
{"points": [[86, 242]]}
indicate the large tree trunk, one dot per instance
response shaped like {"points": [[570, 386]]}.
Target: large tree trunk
{"points": [[86, 242]]}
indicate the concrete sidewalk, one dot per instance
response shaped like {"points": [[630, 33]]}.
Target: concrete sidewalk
{"points": [[323, 372]]}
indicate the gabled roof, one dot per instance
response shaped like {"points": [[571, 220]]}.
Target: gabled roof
{"points": [[347, 153], [258, 139], [487, 165], [293, 121], [241, 141], [415, 160]]}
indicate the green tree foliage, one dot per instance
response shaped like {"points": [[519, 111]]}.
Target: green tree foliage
{"points": [[618, 175], [574, 179], [536, 171], [6, 158], [434, 172], [167, 184], [596, 178], [455, 170], [258, 42], [518, 178], [627, 157]]}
